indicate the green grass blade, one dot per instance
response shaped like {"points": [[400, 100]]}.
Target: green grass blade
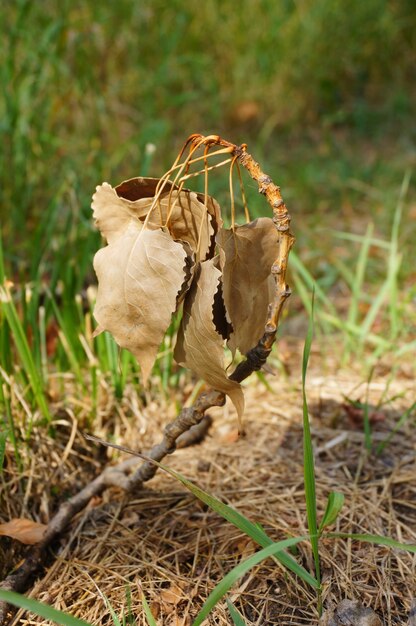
{"points": [[3, 438], [376, 539], [305, 278], [372, 313], [373, 241], [20, 340], [357, 331], [397, 427], [333, 507], [356, 288], [308, 458], [150, 619], [231, 515], [23, 349], [368, 440], [10, 427], [245, 525], [112, 612], [228, 581], [129, 617], [41, 609], [235, 615], [409, 347], [395, 258]]}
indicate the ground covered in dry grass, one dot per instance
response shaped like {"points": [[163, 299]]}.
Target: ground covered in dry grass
{"points": [[165, 543]]}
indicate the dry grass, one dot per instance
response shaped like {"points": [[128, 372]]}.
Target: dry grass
{"points": [[168, 545]]}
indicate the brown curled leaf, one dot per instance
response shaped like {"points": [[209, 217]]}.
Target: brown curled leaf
{"points": [[189, 270], [199, 346], [247, 254], [139, 278]]}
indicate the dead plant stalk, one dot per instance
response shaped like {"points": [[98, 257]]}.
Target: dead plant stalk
{"points": [[189, 418]]}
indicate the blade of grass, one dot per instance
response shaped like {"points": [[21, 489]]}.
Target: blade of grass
{"points": [[231, 515], [367, 426], [235, 615], [333, 507], [308, 457], [228, 581], [376, 539], [394, 259], [356, 287], [374, 241], [150, 619], [3, 438], [397, 427], [41, 609], [373, 311], [23, 349], [308, 280], [245, 525], [20, 341], [5, 401], [356, 330]]}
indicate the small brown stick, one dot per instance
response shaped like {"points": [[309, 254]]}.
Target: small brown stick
{"points": [[191, 421]]}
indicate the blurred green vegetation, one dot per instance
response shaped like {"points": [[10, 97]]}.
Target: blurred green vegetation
{"points": [[322, 92]]}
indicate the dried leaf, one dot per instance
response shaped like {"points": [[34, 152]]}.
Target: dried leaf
{"points": [[172, 595], [350, 613], [247, 254], [112, 214], [183, 620], [192, 217], [140, 275], [199, 346], [139, 188], [187, 220], [189, 271], [24, 530], [219, 314], [357, 414]]}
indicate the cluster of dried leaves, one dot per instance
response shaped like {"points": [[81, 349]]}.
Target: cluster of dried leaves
{"points": [[167, 248]]}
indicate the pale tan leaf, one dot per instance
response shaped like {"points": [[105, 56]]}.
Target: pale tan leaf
{"points": [[192, 216], [199, 346], [113, 209], [140, 276], [24, 530], [187, 220], [172, 595], [247, 254], [112, 214], [140, 188], [184, 213]]}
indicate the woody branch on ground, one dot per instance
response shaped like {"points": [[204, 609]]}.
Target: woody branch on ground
{"points": [[131, 217]]}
